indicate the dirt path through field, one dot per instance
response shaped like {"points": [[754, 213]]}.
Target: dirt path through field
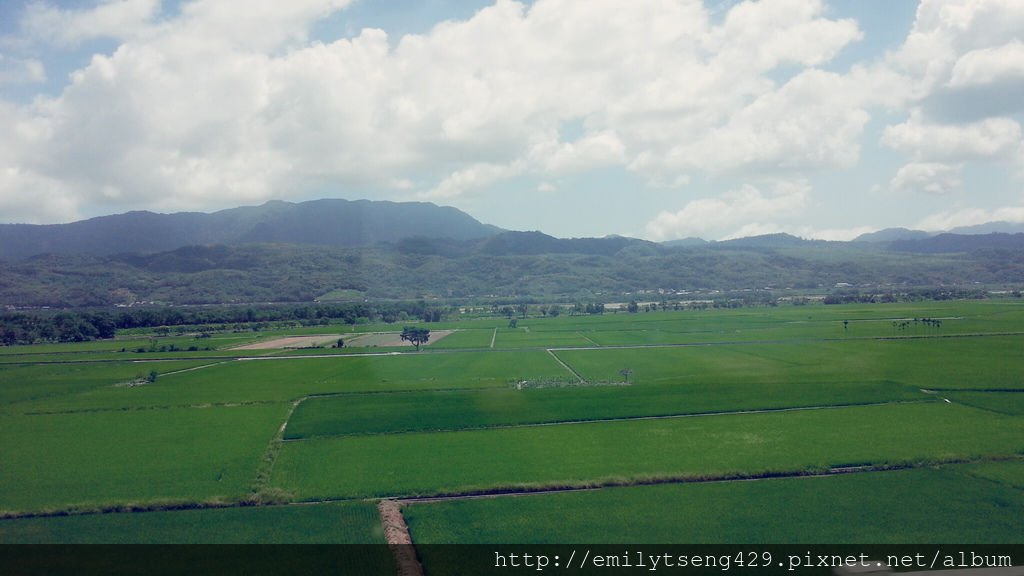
{"points": [[567, 367], [396, 531], [196, 368]]}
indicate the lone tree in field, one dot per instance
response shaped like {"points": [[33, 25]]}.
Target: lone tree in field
{"points": [[415, 336]]}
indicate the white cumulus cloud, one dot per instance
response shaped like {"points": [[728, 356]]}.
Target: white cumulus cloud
{"points": [[949, 219], [21, 70], [992, 138], [214, 104], [118, 19], [989, 65], [743, 212], [927, 177]]}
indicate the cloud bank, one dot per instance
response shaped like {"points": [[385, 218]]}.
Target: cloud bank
{"points": [[208, 106]]}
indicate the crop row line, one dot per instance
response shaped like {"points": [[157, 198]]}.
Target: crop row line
{"points": [[512, 491], [567, 367], [682, 479], [629, 419], [262, 492], [155, 407]]}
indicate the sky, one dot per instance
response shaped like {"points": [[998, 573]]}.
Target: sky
{"points": [[658, 119]]}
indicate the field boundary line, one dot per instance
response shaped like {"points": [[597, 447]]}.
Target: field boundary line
{"points": [[567, 367], [500, 492], [980, 390], [834, 471], [198, 367], [588, 339], [494, 336], [630, 419], [262, 492], [163, 407]]}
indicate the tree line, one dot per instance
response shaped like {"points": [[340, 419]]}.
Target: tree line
{"points": [[80, 326]]}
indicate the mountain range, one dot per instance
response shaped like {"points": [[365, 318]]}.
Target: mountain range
{"points": [[328, 222], [330, 250], [899, 234], [432, 228]]}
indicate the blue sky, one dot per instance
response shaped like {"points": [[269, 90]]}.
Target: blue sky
{"points": [[659, 119]]}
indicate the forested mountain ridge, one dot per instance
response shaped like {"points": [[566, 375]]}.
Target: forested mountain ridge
{"points": [[509, 265], [337, 249], [327, 222]]}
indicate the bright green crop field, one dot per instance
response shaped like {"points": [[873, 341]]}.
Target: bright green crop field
{"points": [[904, 506], [586, 454], [129, 457], [463, 409], [737, 417]]}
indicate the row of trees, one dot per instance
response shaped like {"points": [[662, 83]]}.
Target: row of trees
{"points": [[81, 326], [855, 296], [60, 327]]}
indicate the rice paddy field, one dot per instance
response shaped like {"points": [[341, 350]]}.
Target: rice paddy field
{"points": [[796, 424]]}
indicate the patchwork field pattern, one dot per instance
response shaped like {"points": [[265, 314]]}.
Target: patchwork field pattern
{"points": [[847, 419]]}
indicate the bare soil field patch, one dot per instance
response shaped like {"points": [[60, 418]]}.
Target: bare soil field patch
{"points": [[371, 339], [293, 342]]}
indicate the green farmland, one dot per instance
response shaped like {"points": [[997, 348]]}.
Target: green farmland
{"points": [[841, 423], [885, 507]]}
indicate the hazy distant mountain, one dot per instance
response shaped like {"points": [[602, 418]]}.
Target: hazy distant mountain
{"points": [[330, 222], [780, 240], [989, 228], [892, 234], [532, 243], [955, 243], [416, 227], [684, 242]]}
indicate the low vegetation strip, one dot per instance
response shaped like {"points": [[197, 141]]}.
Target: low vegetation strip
{"points": [[635, 451]]}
